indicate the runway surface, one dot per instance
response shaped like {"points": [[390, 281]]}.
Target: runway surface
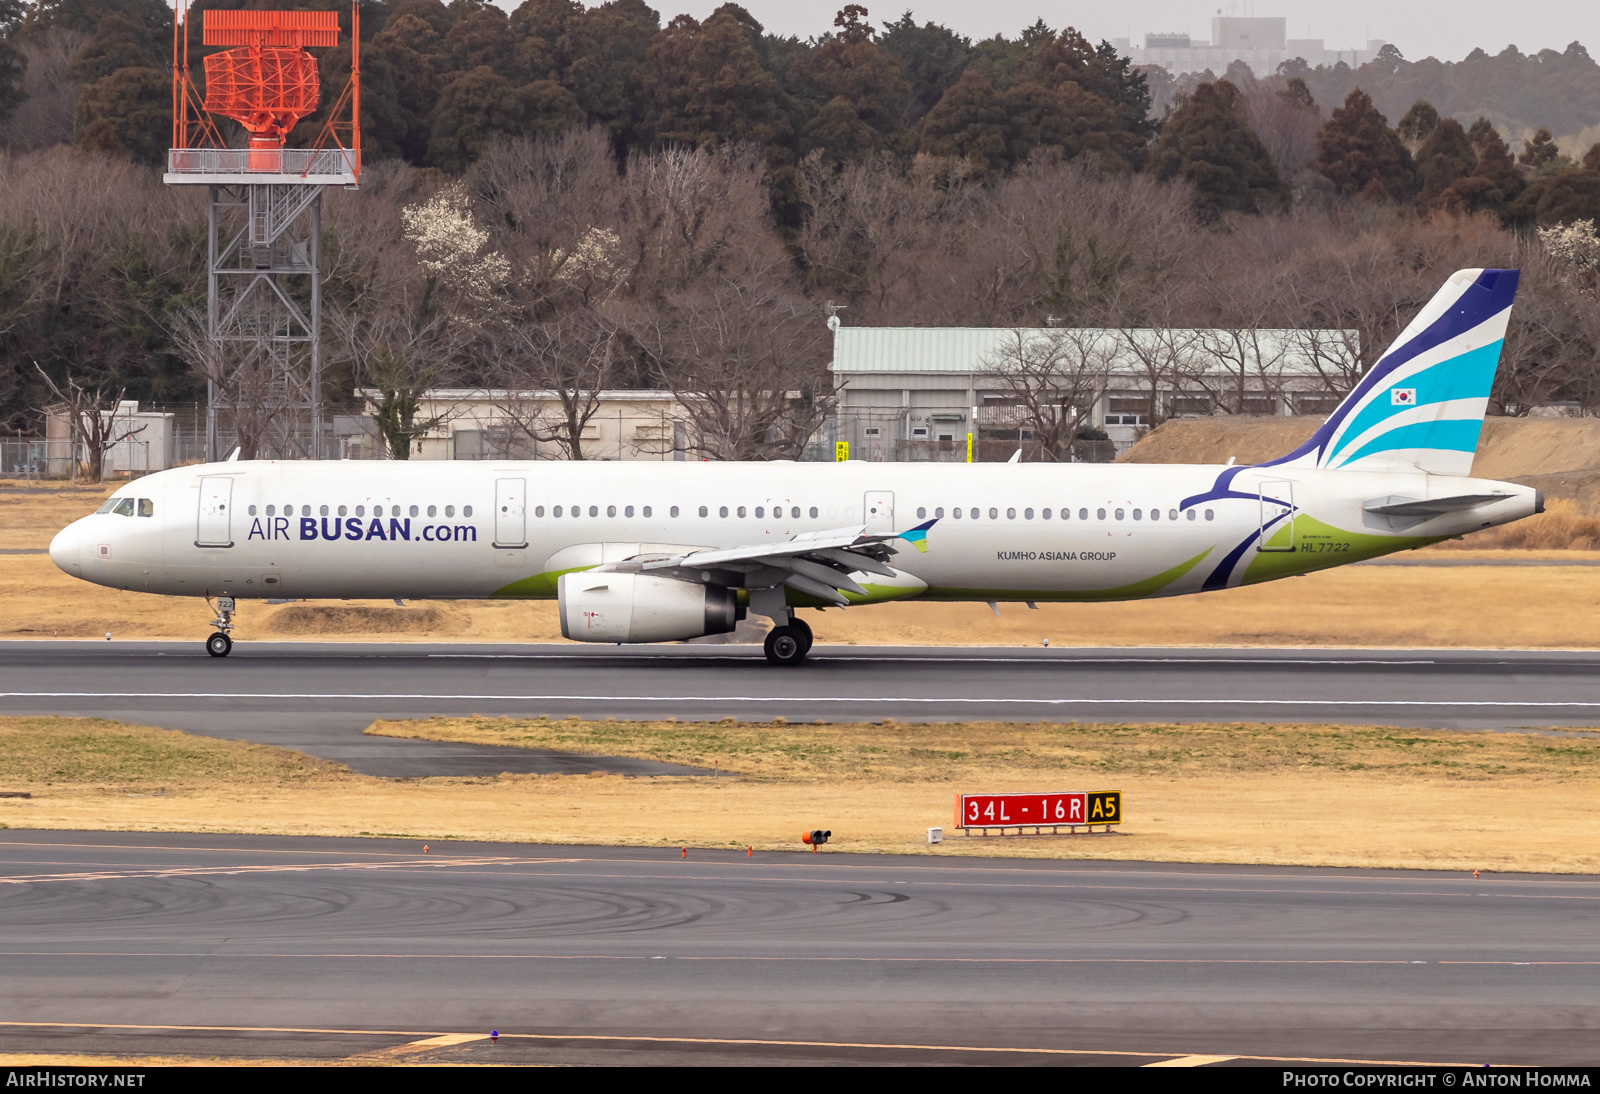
{"points": [[318, 697], [298, 947]]}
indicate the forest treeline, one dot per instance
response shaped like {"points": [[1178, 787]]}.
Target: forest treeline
{"points": [[671, 204]]}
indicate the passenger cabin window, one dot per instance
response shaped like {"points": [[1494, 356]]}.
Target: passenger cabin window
{"points": [[973, 513], [939, 512], [627, 510], [1137, 515], [1099, 514], [433, 511], [761, 512], [796, 512], [722, 511], [674, 511], [646, 511], [994, 514], [466, 510], [1044, 514], [1027, 514], [704, 511], [1210, 515], [922, 514], [1083, 514], [538, 510], [1119, 514], [594, 510], [1011, 514], [414, 511], [449, 510], [1189, 513], [956, 513], [1172, 514], [741, 510]]}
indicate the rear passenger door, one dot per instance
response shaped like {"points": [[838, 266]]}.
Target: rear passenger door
{"points": [[511, 513]]}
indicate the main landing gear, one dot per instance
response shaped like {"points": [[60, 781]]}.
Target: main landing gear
{"points": [[788, 644], [219, 644]]}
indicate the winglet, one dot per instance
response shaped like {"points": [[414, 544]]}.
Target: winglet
{"points": [[918, 536]]}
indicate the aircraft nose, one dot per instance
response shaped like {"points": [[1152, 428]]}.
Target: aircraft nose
{"points": [[66, 549]]}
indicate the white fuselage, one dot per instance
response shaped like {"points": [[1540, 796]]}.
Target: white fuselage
{"points": [[345, 530]]}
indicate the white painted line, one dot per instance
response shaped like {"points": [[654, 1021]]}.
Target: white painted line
{"points": [[1191, 1061], [874, 699]]}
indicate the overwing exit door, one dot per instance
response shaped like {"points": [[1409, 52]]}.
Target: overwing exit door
{"points": [[878, 507], [1277, 516], [215, 525], [511, 512]]}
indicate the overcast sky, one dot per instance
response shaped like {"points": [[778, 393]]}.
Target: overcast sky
{"points": [[1447, 29]]}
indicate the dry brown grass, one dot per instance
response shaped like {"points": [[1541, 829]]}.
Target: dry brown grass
{"points": [[1561, 527], [1311, 795], [31, 513]]}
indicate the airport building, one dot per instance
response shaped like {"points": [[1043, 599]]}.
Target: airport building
{"points": [[1261, 43], [914, 393]]}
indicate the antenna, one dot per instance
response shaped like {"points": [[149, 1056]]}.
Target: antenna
{"points": [[264, 307]]}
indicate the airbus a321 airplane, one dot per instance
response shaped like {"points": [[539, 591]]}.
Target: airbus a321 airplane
{"points": [[660, 552]]}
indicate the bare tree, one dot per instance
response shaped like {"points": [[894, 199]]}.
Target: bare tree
{"points": [[1052, 379], [92, 422], [747, 359], [402, 352], [551, 375]]}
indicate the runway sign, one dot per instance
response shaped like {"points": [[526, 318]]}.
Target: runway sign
{"points": [[1065, 809]]}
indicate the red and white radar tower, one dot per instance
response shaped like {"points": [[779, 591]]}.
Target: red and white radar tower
{"points": [[265, 224]]}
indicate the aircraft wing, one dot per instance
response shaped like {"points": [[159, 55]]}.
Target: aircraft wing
{"points": [[817, 563]]}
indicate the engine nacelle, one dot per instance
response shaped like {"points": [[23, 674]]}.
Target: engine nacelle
{"points": [[611, 607]]}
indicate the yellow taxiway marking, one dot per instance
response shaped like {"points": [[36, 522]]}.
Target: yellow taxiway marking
{"points": [[411, 1048], [1191, 1061]]}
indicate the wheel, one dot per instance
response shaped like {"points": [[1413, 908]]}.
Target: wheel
{"points": [[785, 646], [219, 645], [804, 631]]}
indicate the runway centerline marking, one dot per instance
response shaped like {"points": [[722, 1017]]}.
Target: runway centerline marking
{"points": [[759, 1042], [752, 959], [833, 699]]}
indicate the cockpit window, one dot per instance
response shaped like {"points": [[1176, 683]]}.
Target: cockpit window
{"points": [[147, 508], [124, 507], [108, 505]]}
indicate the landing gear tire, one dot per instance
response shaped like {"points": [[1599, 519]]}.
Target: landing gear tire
{"points": [[219, 645], [804, 630], [787, 645]]}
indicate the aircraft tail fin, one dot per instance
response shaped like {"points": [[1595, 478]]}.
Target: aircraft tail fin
{"points": [[1421, 406]]}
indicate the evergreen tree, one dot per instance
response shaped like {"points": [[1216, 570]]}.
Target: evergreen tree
{"points": [[128, 113], [970, 121], [1361, 155], [480, 106], [1418, 125], [849, 67], [1207, 142], [704, 85], [1539, 151], [932, 58], [1495, 181], [1446, 157]]}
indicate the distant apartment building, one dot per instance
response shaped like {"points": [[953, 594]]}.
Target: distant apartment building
{"points": [[1261, 43]]}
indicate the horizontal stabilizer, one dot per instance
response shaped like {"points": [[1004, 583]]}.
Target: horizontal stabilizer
{"points": [[1394, 506]]}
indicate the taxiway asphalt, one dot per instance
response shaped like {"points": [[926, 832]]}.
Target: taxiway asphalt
{"points": [[317, 697], [138, 943]]}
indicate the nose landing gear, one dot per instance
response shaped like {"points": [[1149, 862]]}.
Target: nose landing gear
{"points": [[219, 644], [788, 644]]}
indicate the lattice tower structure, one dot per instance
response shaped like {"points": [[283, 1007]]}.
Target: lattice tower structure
{"points": [[264, 307]]}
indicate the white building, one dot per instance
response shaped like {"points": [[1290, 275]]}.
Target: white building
{"points": [[1262, 43], [143, 442], [914, 393], [481, 424]]}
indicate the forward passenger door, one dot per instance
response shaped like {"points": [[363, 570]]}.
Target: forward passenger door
{"points": [[215, 526]]}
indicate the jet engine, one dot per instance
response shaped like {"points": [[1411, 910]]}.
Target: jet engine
{"points": [[613, 607]]}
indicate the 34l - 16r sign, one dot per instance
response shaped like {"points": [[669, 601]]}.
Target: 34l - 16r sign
{"points": [[1069, 809]]}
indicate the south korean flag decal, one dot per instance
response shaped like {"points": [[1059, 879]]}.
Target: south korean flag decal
{"points": [[1402, 396]]}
